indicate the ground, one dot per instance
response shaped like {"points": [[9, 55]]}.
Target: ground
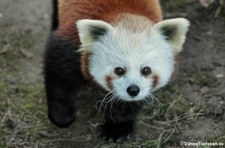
{"points": [[192, 106]]}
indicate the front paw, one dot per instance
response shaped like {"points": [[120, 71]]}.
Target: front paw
{"points": [[117, 132], [61, 114]]}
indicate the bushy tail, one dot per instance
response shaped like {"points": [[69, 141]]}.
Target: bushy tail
{"points": [[55, 19]]}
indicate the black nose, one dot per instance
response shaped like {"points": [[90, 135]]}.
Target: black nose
{"points": [[133, 90]]}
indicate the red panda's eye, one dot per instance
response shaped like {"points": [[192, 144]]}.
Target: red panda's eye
{"points": [[146, 71], [119, 71]]}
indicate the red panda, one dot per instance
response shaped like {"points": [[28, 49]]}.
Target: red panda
{"points": [[124, 46]]}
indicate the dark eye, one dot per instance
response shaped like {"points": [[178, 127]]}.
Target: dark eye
{"points": [[119, 71], [146, 71]]}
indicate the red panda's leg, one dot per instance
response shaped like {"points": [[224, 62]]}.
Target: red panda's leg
{"points": [[119, 121], [62, 79]]}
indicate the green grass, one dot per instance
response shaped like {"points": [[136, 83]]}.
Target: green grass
{"points": [[176, 3]]}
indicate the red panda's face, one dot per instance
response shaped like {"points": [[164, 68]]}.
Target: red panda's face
{"points": [[131, 64]]}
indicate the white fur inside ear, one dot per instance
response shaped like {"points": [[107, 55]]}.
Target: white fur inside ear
{"points": [[90, 31], [174, 32]]}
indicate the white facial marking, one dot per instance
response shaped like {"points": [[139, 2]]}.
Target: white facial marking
{"points": [[131, 50]]}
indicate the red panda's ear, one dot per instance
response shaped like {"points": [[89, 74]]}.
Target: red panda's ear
{"points": [[90, 31], [174, 32]]}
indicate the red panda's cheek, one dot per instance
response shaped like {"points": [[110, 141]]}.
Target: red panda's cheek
{"points": [[155, 80], [108, 80], [85, 66]]}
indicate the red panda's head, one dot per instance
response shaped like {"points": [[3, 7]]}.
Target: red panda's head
{"points": [[134, 57]]}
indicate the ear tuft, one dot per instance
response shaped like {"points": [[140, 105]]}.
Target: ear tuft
{"points": [[97, 32], [90, 31], [174, 32], [168, 32]]}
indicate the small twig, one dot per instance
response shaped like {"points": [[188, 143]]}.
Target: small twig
{"points": [[3, 118], [223, 137], [218, 11], [151, 126], [161, 136], [26, 53], [36, 145], [7, 114], [172, 104], [179, 119], [171, 133], [64, 140], [178, 14]]}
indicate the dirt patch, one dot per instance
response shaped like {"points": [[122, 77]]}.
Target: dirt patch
{"points": [[192, 106]]}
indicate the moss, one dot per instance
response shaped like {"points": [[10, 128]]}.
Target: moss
{"points": [[203, 79], [174, 4], [3, 86], [2, 145]]}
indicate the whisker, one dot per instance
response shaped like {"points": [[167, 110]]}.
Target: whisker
{"points": [[101, 101], [107, 103]]}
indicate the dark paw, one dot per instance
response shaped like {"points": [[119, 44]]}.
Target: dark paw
{"points": [[116, 132], [61, 114]]}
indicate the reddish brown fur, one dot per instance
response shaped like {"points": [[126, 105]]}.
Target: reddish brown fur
{"points": [[175, 67], [108, 80], [155, 79], [85, 66], [107, 10]]}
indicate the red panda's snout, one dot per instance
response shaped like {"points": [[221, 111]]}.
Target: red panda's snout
{"points": [[133, 90]]}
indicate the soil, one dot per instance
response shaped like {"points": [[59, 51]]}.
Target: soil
{"points": [[192, 107]]}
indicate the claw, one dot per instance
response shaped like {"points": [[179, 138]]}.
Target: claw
{"points": [[116, 132]]}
